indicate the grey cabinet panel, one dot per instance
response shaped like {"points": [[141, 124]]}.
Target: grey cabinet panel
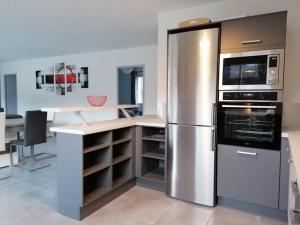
{"points": [[249, 178], [269, 29], [284, 175]]}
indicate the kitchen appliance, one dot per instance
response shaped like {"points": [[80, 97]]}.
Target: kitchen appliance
{"points": [[251, 119], [191, 114], [255, 70]]}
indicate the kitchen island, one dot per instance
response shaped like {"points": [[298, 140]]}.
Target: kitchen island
{"points": [[98, 162]]}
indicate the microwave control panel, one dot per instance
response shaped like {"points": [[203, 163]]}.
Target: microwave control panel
{"points": [[273, 69]]}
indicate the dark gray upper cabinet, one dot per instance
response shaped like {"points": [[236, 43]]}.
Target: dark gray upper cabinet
{"points": [[249, 174], [254, 33]]}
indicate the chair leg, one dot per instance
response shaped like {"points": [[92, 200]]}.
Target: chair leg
{"points": [[48, 155], [21, 165]]}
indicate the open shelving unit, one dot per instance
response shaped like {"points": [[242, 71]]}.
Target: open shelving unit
{"points": [[107, 162], [152, 154]]}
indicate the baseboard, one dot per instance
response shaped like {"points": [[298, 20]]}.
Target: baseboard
{"points": [[253, 209]]}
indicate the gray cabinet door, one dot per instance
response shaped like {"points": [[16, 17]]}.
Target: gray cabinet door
{"points": [[284, 175], [241, 34], [249, 175]]}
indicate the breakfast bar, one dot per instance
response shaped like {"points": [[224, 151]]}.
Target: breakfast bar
{"points": [[97, 163]]}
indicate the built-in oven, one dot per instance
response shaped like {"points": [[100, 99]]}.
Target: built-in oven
{"points": [[255, 70], [251, 119]]}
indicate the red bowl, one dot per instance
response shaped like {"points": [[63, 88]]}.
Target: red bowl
{"points": [[96, 100]]}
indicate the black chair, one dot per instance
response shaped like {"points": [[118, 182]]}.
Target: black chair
{"points": [[35, 130]]}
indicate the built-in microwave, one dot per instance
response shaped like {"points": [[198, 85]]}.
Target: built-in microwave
{"points": [[255, 70]]}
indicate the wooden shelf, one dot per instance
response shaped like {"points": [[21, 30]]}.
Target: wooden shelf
{"points": [[120, 141], [94, 169], [120, 159], [120, 181], [95, 148], [95, 195], [156, 174], [153, 138], [153, 155]]}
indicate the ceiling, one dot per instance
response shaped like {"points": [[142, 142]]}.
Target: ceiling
{"points": [[41, 28]]}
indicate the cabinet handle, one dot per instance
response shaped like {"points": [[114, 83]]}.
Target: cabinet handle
{"points": [[290, 160], [246, 153], [249, 42]]}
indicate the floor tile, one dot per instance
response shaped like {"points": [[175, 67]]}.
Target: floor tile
{"points": [[183, 214], [236, 216], [147, 209]]}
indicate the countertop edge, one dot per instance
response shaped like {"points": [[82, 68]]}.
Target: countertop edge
{"points": [[101, 126]]}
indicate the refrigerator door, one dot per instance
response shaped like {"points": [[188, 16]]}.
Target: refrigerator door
{"points": [[191, 164], [192, 76]]}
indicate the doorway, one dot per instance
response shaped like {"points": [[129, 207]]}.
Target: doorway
{"points": [[131, 88], [10, 88]]}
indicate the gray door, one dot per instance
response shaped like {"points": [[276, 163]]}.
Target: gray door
{"points": [[11, 94], [192, 76], [191, 163]]}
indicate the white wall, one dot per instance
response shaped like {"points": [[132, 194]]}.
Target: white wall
{"points": [[292, 72], [225, 9], [102, 80]]}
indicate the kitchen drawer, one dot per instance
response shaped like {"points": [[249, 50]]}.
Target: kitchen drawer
{"points": [[269, 29], [249, 174]]}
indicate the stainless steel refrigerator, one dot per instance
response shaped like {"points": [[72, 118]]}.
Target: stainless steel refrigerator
{"points": [[191, 111]]}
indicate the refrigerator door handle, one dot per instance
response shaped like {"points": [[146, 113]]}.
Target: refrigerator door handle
{"points": [[213, 139], [214, 119]]}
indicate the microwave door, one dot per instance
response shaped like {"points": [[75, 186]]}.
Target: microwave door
{"points": [[256, 70]]}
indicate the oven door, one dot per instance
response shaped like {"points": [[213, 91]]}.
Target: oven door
{"points": [[251, 70], [250, 124]]}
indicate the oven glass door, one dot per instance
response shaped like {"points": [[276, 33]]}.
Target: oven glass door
{"points": [[250, 70], [250, 124]]}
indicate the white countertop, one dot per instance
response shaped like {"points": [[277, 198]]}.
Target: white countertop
{"points": [[294, 141], [100, 126]]}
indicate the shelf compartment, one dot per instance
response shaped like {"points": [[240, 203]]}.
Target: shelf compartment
{"points": [[93, 142], [96, 161], [94, 169], [153, 149], [154, 133], [123, 140], [153, 169], [96, 185], [121, 152], [120, 159], [154, 155], [121, 134], [122, 172], [155, 137], [156, 175], [95, 148]]}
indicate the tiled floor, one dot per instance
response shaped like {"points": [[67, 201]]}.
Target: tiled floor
{"points": [[30, 199]]}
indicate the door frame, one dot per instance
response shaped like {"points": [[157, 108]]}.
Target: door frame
{"points": [[4, 90], [117, 78]]}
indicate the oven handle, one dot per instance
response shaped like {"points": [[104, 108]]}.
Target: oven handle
{"points": [[249, 106]]}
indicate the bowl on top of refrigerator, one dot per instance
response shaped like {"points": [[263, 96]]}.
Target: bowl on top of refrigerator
{"points": [[96, 100]]}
